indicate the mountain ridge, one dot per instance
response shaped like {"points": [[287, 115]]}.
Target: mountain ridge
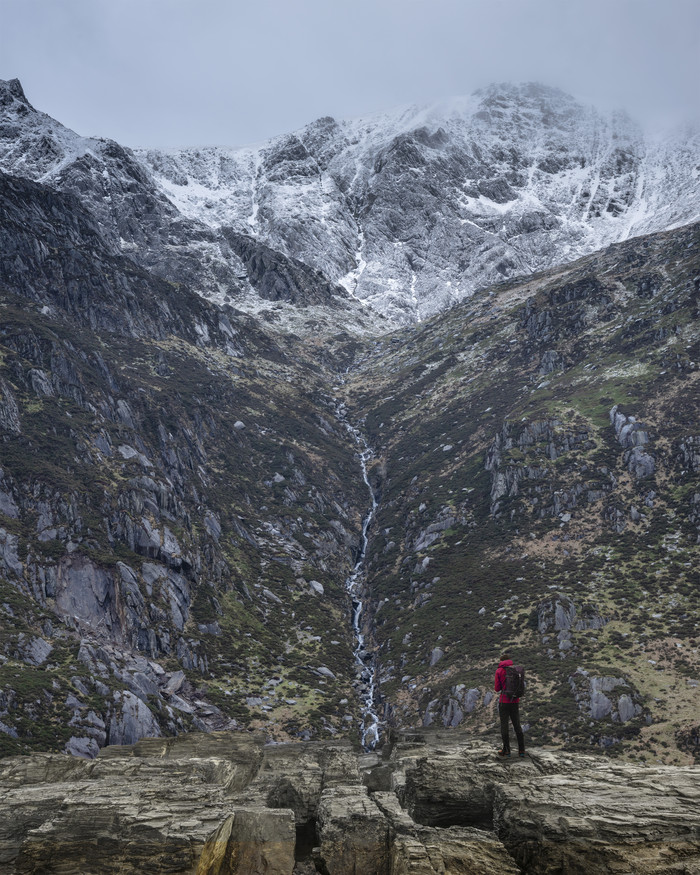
{"points": [[521, 172], [404, 213]]}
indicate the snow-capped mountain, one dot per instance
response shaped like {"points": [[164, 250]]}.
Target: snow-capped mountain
{"points": [[407, 211], [137, 219], [413, 210]]}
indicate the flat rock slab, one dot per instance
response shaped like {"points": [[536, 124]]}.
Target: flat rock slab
{"points": [[227, 804]]}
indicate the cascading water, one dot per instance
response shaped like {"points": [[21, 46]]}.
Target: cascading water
{"points": [[365, 663]]}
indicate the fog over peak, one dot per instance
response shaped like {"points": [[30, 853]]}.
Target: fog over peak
{"points": [[170, 73]]}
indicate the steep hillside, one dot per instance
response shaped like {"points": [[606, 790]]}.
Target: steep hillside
{"points": [[176, 494], [539, 480]]}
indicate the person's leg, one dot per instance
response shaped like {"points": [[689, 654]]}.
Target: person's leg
{"points": [[505, 729], [515, 718]]}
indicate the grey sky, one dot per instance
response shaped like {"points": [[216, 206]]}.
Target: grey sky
{"points": [[183, 72]]}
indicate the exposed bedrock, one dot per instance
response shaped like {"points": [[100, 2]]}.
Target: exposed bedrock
{"points": [[432, 803]]}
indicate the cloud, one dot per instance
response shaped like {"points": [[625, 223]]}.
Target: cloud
{"points": [[172, 72]]}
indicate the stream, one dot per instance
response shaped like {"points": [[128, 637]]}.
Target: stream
{"points": [[366, 670]]}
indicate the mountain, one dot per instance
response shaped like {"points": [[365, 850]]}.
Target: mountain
{"points": [[232, 496], [136, 219], [539, 491], [407, 212], [414, 210]]}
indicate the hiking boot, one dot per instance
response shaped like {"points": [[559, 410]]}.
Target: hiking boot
{"points": [[503, 753], [522, 753]]}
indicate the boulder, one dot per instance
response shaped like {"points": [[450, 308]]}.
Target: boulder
{"points": [[557, 612], [626, 708], [436, 655], [132, 720], [87, 748]]}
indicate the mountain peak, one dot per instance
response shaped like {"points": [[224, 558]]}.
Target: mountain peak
{"points": [[11, 90]]}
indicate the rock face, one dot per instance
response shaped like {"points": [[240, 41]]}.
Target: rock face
{"points": [[99, 549], [226, 803]]}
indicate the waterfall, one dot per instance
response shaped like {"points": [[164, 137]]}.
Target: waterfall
{"points": [[365, 663]]}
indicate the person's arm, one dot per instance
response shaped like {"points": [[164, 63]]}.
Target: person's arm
{"points": [[497, 681]]}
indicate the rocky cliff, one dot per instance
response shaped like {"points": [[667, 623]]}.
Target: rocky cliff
{"points": [[172, 484], [225, 803]]}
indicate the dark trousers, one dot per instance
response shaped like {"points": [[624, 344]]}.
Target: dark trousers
{"points": [[510, 713]]}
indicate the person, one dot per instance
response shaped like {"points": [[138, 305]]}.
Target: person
{"points": [[508, 710]]}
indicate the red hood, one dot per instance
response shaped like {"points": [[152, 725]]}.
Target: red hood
{"points": [[505, 663]]}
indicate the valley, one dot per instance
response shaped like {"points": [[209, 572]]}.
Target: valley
{"points": [[253, 481]]}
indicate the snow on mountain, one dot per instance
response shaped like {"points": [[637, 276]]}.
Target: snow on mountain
{"points": [[134, 216], [412, 210], [32, 144], [407, 211], [138, 220]]}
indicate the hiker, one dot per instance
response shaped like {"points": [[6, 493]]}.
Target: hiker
{"points": [[508, 710]]}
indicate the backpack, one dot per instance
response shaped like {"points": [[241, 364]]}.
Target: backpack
{"points": [[515, 681]]}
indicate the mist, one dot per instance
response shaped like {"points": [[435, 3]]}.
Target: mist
{"points": [[178, 73]]}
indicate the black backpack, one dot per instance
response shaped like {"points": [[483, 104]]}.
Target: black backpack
{"points": [[515, 681]]}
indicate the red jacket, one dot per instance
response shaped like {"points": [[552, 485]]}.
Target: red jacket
{"points": [[500, 682]]}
